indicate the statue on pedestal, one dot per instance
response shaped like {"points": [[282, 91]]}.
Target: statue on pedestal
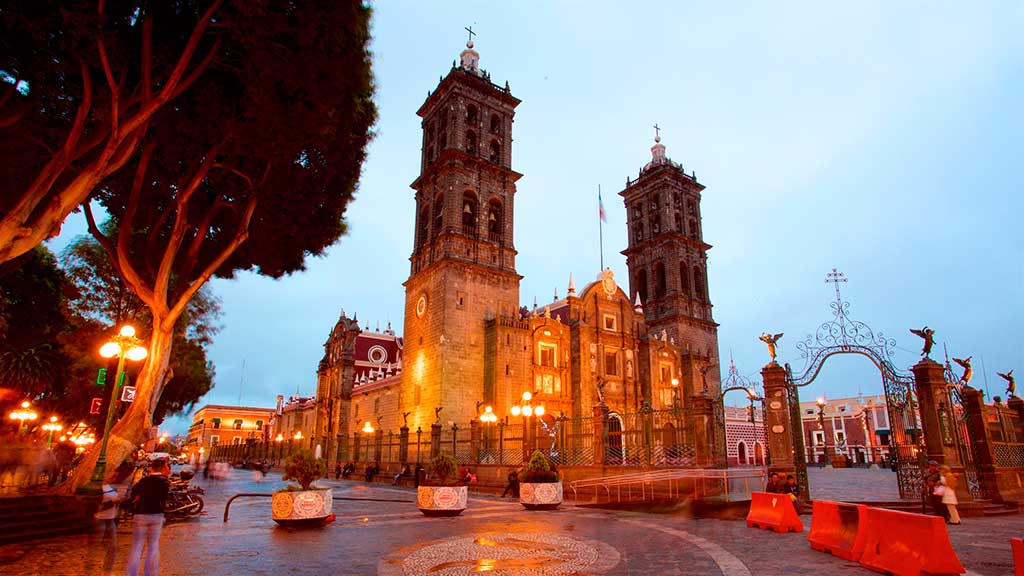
{"points": [[1011, 383], [770, 340], [437, 414], [929, 339], [968, 371]]}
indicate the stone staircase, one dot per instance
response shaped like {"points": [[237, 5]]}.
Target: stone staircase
{"points": [[34, 517], [978, 507]]}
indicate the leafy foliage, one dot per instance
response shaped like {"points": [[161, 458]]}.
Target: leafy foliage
{"points": [[304, 468], [538, 469], [444, 469]]}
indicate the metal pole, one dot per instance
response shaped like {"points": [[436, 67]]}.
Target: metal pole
{"points": [[96, 480]]}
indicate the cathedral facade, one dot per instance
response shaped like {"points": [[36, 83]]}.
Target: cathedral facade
{"points": [[467, 340]]}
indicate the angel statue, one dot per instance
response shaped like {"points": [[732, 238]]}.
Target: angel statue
{"points": [[405, 417], [968, 371], [437, 413], [929, 339], [770, 341], [707, 366], [1011, 383]]}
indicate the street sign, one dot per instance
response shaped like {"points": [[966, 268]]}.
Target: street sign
{"points": [[94, 407], [101, 377], [128, 394]]}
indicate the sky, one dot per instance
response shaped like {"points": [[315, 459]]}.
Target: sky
{"points": [[881, 139]]}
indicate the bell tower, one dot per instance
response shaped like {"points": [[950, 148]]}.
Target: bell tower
{"points": [[667, 261], [463, 259]]}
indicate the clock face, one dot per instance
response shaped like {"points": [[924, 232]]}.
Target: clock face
{"points": [[421, 306]]}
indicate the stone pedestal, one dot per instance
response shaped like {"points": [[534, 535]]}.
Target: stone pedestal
{"points": [[984, 464], [600, 425], [936, 413], [776, 420], [703, 414], [435, 439]]}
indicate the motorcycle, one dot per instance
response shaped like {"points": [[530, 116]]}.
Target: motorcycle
{"points": [[183, 500]]}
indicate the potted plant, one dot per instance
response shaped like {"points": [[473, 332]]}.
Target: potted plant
{"points": [[540, 486], [303, 504], [441, 494]]}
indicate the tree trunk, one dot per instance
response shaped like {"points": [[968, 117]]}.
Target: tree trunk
{"points": [[131, 429]]}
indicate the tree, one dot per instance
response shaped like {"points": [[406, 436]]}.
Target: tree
{"points": [[84, 80], [251, 169]]}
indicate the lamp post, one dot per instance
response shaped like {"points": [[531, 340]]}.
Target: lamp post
{"points": [[488, 418], [126, 347], [527, 410], [367, 429], [821, 424], [51, 427], [22, 415], [277, 440]]}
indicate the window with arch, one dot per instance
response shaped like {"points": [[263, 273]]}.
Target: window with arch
{"points": [[469, 213], [693, 228], [741, 453], [495, 152], [495, 124], [691, 208], [471, 114], [442, 132], [684, 278], [638, 232], [638, 210], [641, 285], [494, 219], [471, 142], [424, 224], [438, 214], [698, 283], [655, 223], [659, 280], [679, 222], [655, 200]]}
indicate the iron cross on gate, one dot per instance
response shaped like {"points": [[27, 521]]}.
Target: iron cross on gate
{"points": [[835, 277]]}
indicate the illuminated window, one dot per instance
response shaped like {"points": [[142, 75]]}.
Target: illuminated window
{"points": [[666, 373], [238, 424], [819, 437], [611, 363], [259, 424], [546, 354], [216, 423], [610, 322], [214, 440]]}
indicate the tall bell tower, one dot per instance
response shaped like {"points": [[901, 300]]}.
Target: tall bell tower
{"points": [[667, 261], [463, 259]]}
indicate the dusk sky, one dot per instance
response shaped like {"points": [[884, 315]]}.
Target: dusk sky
{"points": [[882, 139]]}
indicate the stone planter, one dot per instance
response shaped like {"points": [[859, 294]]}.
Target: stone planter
{"points": [[540, 495], [302, 507], [442, 500]]}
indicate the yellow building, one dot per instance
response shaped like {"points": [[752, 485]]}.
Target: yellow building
{"points": [[214, 425]]}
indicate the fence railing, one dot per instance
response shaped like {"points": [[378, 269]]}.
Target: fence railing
{"points": [[1008, 454]]}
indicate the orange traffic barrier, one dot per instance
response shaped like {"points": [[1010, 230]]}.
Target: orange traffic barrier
{"points": [[773, 512], [907, 544], [837, 528], [1017, 546]]}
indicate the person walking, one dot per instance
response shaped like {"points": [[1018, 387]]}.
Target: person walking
{"points": [[513, 484], [947, 480], [150, 495], [932, 493], [105, 531], [419, 470]]}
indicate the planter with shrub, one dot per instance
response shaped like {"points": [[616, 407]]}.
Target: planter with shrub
{"points": [[540, 486], [303, 504], [441, 493]]}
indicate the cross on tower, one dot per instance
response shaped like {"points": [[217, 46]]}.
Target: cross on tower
{"points": [[836, 277], [657, 132], [471, 33]]}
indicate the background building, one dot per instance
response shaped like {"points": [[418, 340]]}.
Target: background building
{"points": [[857, 428], [213, 425]]}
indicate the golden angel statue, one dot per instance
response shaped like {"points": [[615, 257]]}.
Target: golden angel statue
{"points": [[968, 371], [1011, 383], [770, 340], [929, 339]]}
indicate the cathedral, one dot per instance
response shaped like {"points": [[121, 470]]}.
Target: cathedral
{"points": [[468, 342]]}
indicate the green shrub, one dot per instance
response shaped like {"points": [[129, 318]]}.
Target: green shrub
{"points": [[444, 469], [304, 468], [538, 470]]}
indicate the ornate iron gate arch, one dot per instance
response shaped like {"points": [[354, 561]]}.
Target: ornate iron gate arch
{"points": [[843, 335]]}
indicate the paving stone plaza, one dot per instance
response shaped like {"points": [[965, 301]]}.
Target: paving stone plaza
{"points": [[392, 538]]}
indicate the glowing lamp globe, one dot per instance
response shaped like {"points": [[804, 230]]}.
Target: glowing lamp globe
{"points": [[527, 410], [539, 411], [527, 396], [137, 353], [515, 411], [127, 331], [109, 350]]}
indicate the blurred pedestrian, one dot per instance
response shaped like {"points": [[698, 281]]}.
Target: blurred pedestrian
{"points": [[105, 527], [337, 471], [150, 496], [933, 490], [948, 482], [513, 484], [403, 472], [419, 470]]}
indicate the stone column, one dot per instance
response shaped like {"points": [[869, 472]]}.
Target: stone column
{"points": [[474, 440], [435, 439], [1017, 405], [934, 409], [403, 443], [984, 462], [703, 414], [777, 425], [600, 426]]}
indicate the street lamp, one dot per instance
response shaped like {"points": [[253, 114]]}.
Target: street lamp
{"points": [[51, 427], [821, 424], [527, 410], [488, 418], [125, 346], [22, 415]]}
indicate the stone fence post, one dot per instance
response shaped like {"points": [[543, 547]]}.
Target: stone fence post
{"points": [[984, 462], [435, 439], [403, 444], [777, 426]]}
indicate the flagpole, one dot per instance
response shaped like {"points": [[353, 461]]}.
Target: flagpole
{"points": [[600, 224]]}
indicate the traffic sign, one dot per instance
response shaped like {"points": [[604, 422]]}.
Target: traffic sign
{"points": [[128, 394], [94, 408]]}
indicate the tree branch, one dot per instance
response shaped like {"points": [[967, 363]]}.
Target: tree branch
{"points": [[114, 91], [124, 268], [190, 48], [147, 59]]}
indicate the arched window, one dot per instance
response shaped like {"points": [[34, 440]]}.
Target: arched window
{"points": [[494, 222], [758, 454], [616, 444], [424, 225], [659, 280], [471, 114], [741, 453], [638, 232], [495, 155], [469, 213], [655, 200], [693, 228], [679, 222], [438, 214], [655, 223], [684, 278], [495, 124], [641, 285], [698, 283], [471, 142]]}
